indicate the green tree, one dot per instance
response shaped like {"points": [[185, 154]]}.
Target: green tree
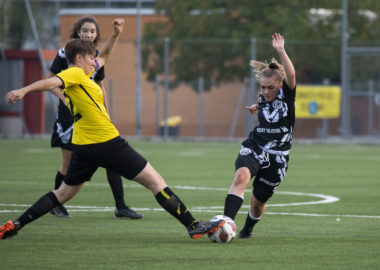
{"points": [[210, 38]]}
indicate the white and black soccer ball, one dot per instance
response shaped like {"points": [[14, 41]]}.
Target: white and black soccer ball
{"points": [[224, 234]]}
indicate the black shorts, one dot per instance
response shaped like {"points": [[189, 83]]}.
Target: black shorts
{"points": [[63, 128], [269, 170], [116, 155]]}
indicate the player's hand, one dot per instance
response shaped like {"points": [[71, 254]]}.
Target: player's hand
{"points": [[118, 25], [278, 42], [253, 109], [12, 96]]}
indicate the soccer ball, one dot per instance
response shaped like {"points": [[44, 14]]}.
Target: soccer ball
{"points": [[224, 234]]}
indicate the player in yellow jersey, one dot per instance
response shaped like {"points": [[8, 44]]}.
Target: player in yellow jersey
{"points": [[96, 141], [84, 28]]}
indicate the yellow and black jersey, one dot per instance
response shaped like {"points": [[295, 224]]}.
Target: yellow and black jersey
{"points": [[92, 122]]}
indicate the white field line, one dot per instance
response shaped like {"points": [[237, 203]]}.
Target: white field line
{"points": [[77, 208], [325, 198], [206, 209]]}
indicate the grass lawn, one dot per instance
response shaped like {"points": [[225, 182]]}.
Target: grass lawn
{"points": [[325, 214]]}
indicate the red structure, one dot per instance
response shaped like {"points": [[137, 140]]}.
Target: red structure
{"points": [[33, 106]]}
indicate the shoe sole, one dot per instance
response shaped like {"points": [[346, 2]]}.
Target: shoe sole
{"points": [[199, 235]]}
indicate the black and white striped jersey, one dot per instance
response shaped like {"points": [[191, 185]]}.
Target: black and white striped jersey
{"points": [[273, 134]]}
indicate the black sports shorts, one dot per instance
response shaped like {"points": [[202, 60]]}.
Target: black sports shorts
{"points": [[63, 128], [116, 155], [269, 170]]}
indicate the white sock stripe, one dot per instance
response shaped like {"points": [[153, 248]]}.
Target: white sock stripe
{"points": [[253, 217]]}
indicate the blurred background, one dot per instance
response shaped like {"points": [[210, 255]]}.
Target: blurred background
{"points": [[187, 62]]}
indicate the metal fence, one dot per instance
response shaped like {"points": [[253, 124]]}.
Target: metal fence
{"points": [[316, 62]]}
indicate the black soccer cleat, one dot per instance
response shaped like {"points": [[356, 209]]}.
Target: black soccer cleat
{"points": [[9, 229], [60, 211], [201, 228], [246, 232], [127, 213]]}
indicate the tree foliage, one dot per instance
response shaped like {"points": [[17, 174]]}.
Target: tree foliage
{"points": [[211, 38]]}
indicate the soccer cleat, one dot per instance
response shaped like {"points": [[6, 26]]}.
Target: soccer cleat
{"points": [[246, 232], [9, 229], [202, 228], [127, 213], [60, 211]]}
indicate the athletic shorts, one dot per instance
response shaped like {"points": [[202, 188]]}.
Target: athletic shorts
{"points": [[63, 128], [269, 170], [116, 155]]}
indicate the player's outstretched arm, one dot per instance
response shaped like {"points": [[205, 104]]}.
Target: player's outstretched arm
{"points": [[42, 85], [57, 91], [290, 73], [107, 49]]}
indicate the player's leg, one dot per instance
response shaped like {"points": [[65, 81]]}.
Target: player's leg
{"points": [[254, 215], [127, 162], [122, 210], [235, 196], [41, 207], [80, 170], [60, 210], [246, 166], [61, 137], [152, 180], [264, 186]]}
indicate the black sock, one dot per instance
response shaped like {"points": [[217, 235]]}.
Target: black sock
{"points": [[116, 184], [171, 203], [58, 180], [232, 205], [39, 208], [249, 222]]}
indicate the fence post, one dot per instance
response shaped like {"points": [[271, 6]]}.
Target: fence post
{"points": [[138, 70], [157, 90], [166, 85], [325, 121], [371, 94], [251, 121], [201, 114]]}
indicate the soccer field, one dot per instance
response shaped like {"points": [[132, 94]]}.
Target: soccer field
{"points": [[325, 214]]}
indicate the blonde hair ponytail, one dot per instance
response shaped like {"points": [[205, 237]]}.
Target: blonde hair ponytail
{"points": [[266, 70]]}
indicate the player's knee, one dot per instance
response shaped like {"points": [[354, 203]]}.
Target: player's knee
{"points": [[242, 178], [151, 179]]}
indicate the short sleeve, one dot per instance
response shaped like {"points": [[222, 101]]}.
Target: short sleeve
{"points": [[290, 94], [72, 76], [59, 62], [100, 75]]}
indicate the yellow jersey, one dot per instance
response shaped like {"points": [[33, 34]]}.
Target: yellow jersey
{"points": [[92, 124]]}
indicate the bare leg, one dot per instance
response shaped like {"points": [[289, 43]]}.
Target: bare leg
{"points": [[235, 196], [151, 179], [66, 158], [240, 182], [257, 208], [65, 192], [254, 215], [61, 211]]}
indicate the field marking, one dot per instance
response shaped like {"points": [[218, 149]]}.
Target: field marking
{"points": [[204, 209], [325, 198], [79, 208]]}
